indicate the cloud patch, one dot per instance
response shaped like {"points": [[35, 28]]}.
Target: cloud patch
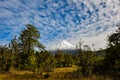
{"points": [[59, 19]]}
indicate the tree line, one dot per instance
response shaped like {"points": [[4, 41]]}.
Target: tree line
{"points": [[21, 54]]}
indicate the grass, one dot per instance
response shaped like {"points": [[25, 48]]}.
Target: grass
{"points": [[66, 69], [66, 73], [26, 75]]}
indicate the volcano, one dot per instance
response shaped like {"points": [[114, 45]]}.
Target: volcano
{"points": [[63, 45]]}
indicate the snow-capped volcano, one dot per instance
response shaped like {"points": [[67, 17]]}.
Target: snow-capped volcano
{"points": [[63, 45]]}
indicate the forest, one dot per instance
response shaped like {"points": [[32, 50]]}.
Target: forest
{"points": [[26, 58]]}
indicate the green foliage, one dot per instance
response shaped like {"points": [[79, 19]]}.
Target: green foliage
{"points": [[87, 60], [5, 59], [14, 49], [112, 60], [68, 60], [63, 59], [20, 54], [59, 56], [45, 61], [29, 40], [77, 57], [98, 65]]}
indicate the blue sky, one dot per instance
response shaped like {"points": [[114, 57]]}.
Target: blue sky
{"points": [[59, 19]]}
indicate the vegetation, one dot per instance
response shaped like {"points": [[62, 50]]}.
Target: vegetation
{"points": [[112, 60], [20, 59]]}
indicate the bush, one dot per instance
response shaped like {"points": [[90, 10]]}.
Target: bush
{"points": [[87, 63]]}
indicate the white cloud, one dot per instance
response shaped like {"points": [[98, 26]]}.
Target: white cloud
{"points": [[61, 16]]}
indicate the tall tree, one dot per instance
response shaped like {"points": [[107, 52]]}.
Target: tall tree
{"points": [[112, 61], [29, 40]]}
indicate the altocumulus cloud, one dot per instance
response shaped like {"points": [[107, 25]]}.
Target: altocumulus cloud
{"points": [[60, 19]]}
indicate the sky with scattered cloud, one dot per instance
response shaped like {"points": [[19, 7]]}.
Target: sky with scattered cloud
{"points": [[90, 20]]}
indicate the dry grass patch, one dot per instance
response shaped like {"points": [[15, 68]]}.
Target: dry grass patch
{"points": [[65, 69]]}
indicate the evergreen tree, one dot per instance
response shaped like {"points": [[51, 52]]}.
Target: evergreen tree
{"points": [[29, 40], [112, 61]]}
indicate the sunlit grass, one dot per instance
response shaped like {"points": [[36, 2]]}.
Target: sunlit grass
{"points": [[27, 75], [65, 73], [66, 69]]}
